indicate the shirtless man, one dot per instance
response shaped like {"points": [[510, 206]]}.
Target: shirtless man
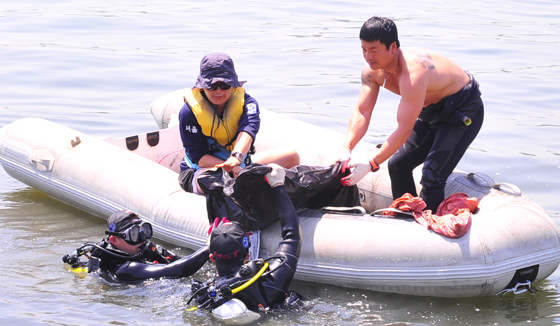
{"points": [[439, 115]]}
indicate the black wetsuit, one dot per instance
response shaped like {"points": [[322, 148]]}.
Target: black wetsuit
{"points": [[439, 139], [271, 289], [152, 262]]}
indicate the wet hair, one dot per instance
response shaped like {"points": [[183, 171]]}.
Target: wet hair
{"points": [[380, 29]]}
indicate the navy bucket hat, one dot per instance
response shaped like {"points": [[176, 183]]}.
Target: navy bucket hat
{"points": [[216, 67]]}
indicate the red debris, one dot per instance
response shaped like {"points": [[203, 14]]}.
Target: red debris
{"points": [[453, 218]]}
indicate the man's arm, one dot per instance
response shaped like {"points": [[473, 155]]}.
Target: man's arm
{"points": [[289, 248], [412, 87], [183, 267], [413, 91], [361, 116]]}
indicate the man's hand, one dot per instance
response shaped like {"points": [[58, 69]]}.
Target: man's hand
{"points": [[276, 176], [217, 222], [344, 158], [359, 172]]}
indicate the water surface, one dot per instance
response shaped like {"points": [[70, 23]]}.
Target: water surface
{"points": [[95, 66]]}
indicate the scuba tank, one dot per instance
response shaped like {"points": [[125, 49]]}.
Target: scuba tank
{"points": [[235, 312], [73, 263]]}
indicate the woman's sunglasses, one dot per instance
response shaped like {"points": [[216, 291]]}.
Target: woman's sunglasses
{"points": [[222, 86]]}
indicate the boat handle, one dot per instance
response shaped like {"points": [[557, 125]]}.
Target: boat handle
{"points": [[356, 210], [515, 190], [42, 160], [379, 212]]}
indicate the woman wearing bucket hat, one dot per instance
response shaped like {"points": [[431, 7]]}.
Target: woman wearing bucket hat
{"points": [[219, 123]]}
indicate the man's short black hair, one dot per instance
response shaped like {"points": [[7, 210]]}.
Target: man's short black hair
{"points": [[380, 29]]}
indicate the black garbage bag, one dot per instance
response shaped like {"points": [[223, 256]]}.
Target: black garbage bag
{"points": [[249, 200]]}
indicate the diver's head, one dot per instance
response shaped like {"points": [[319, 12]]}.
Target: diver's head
{"points": [[127, 231], [229, 247]]}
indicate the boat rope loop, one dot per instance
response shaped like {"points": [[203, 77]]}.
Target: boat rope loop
{"points": [[521, 281], [519, 288]]}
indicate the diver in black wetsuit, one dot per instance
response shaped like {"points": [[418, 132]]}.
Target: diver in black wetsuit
{"points": [[125, 255], [261, 283]]}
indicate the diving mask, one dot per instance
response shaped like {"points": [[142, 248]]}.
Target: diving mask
{"points": [[137, 233]]}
